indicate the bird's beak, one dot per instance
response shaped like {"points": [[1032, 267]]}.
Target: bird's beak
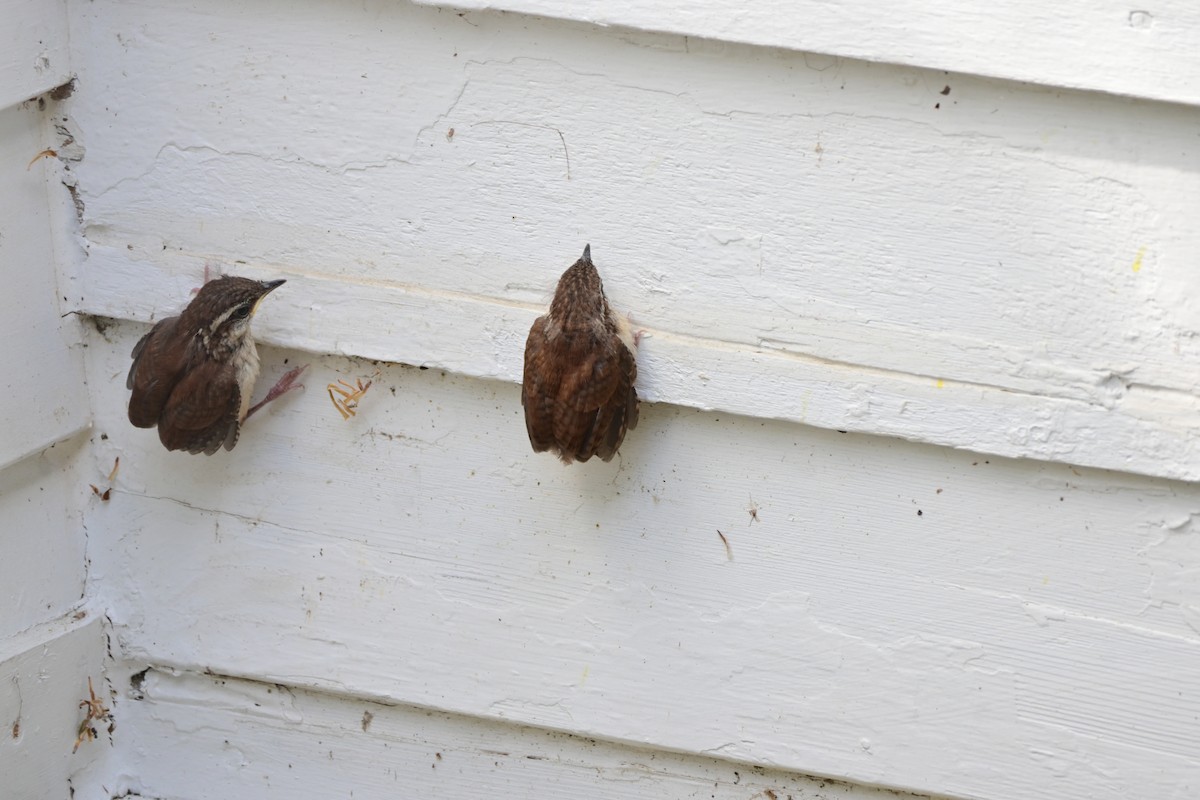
{"points": [[268, 287], [587, 252]]}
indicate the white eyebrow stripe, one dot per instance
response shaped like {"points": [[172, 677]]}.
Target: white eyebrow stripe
{"points": [[219, 321]]}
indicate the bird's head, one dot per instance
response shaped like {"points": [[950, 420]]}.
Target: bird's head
{"points": [[579, 298], [220, 313]]}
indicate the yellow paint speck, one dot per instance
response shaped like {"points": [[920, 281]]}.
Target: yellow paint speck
{"points": [[940, 383], [1137, 262], [583, 680]]}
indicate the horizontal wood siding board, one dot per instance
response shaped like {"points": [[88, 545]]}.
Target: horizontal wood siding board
{"points": [[1107, 46], [482, 337], [291, 743]]}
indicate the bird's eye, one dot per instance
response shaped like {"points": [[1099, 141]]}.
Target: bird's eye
{"points": [[241, 312]]}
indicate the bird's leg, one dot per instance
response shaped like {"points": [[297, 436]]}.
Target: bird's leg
{"points": [[282, 386]]}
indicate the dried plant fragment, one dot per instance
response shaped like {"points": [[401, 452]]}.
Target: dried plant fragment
{"points": [[728, 549], [345, 396], [40, 156], [96, 712]]}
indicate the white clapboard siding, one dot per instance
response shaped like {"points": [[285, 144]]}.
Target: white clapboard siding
{"points": [[50, 642], [276, 742], [34, 53], [900, 614], [42, 540], [41, 372], [43, 678], [963, 235], [949, 259], [1107, 45]]}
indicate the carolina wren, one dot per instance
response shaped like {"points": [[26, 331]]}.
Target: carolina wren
{"points": [[193, 374], [580, 369]]}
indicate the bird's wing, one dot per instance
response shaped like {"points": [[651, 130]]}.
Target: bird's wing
{"points": [[201, 414], [621, 411], [578, 393], [154, 373], [588, 403], [538, 388]]}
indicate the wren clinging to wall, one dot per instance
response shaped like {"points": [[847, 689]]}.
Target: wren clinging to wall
{"points": [[193, 374], [580, 369]]}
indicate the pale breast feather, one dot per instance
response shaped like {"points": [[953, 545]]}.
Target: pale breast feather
{"points": [[246, 364]]}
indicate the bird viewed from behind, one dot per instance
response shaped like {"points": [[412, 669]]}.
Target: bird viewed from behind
{"points": [[193, 374], [578, 389]]}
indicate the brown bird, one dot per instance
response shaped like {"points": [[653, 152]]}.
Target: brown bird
{"points": [[580, 369], [193, 374]]}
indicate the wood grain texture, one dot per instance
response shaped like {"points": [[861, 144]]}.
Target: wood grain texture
{"points": [[818, 242], [275, 742], [1110, 46], [900, 614]]}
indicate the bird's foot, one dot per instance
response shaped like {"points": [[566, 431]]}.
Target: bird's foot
{"points": [[638, 333], [281, 387]]}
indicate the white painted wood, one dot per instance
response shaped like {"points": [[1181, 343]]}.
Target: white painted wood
{"points": [[43, 398], [43, 678], [826, 242], [42, 538], [50, 641], [1156, 432], [900, 614], [1145, 51], [34, 52], [215, 737], [1001, 268]]}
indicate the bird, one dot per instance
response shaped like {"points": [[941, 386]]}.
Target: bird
{"points": [[193, 374], [580, 369]]}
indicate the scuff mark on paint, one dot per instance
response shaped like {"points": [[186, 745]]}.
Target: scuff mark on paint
{"points": [[1137, 262]]}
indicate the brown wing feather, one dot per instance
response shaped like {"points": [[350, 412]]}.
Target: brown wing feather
{"points": [[620, 413], [578, 393], [584, 397], [538, 388], [202, 412], [155, 371]]}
